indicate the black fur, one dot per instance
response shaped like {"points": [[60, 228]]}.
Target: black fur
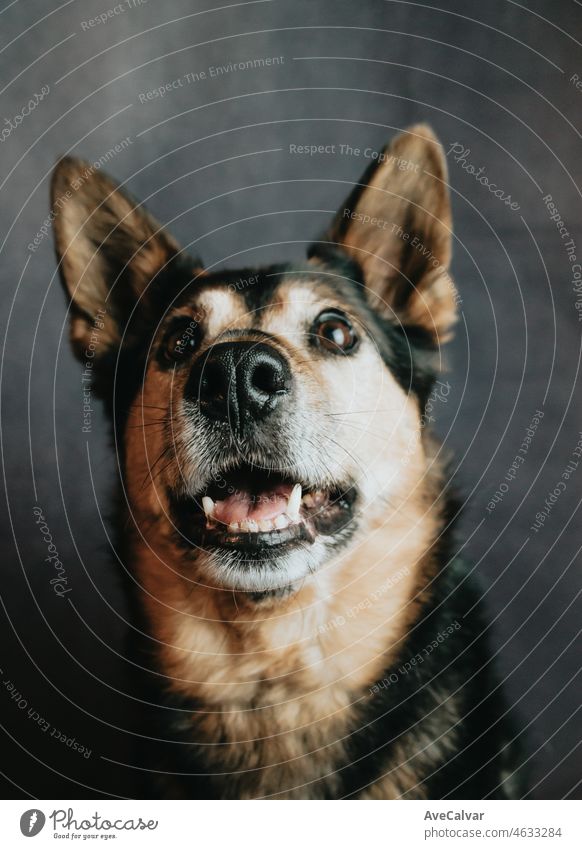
{"points": [[479, 751]]}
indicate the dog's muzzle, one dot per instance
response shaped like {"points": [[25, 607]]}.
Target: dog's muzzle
{"points": [[254, 500]]}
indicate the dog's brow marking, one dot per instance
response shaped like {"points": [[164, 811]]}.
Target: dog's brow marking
{"points": [[291, 306], [222, 309]]}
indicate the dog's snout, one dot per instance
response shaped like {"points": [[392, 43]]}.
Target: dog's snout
{"points": [[239, 382]]}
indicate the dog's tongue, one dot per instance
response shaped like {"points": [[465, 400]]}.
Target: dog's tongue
{"points": [[244, 505]]}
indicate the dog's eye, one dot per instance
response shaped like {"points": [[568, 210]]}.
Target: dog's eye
{"points": [[181, 341], [333, 331]]}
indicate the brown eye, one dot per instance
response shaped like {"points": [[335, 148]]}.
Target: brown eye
{"points": [[333, 331], [181, 341]]}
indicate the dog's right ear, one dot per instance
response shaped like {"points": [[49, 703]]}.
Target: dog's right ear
{"points": [[396, 224], [109, 251]]}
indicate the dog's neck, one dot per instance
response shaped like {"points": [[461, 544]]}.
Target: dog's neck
{"points": [[229, 648]]}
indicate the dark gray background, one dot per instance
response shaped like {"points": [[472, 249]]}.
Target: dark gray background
{"points": [[494, 77]]}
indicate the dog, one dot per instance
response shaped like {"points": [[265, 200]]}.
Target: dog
{"points": [[287, 519]]}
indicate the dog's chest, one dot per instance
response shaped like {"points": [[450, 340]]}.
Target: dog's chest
{"points": [[268, 732], [275, 700], [269, 721], [272, 751]]}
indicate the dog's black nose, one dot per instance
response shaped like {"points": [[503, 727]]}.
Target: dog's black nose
{"points": [[239, 382]]}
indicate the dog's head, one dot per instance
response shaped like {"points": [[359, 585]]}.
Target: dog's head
{"points": [[265, 418]]}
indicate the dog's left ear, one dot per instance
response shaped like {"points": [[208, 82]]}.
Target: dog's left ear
{"points": [[396, 224], [109, 249]]}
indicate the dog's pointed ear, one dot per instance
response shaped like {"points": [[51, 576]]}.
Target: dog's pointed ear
{"points": [[396, 225], [109, 250]]}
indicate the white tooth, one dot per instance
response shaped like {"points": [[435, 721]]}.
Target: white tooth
{"points": [[294, 502], [308, 500], [208, 505], [233, 527], [253, 526], [266, 525], [281, 522], [244, 525]]}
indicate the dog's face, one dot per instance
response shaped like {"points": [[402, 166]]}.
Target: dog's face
{"points": [[267, 419], [280, 424]]}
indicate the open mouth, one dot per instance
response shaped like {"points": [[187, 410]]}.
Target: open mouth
{"points": [[253, 509]]}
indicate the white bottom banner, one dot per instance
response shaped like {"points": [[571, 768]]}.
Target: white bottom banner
{"points": [[291, 825]]}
